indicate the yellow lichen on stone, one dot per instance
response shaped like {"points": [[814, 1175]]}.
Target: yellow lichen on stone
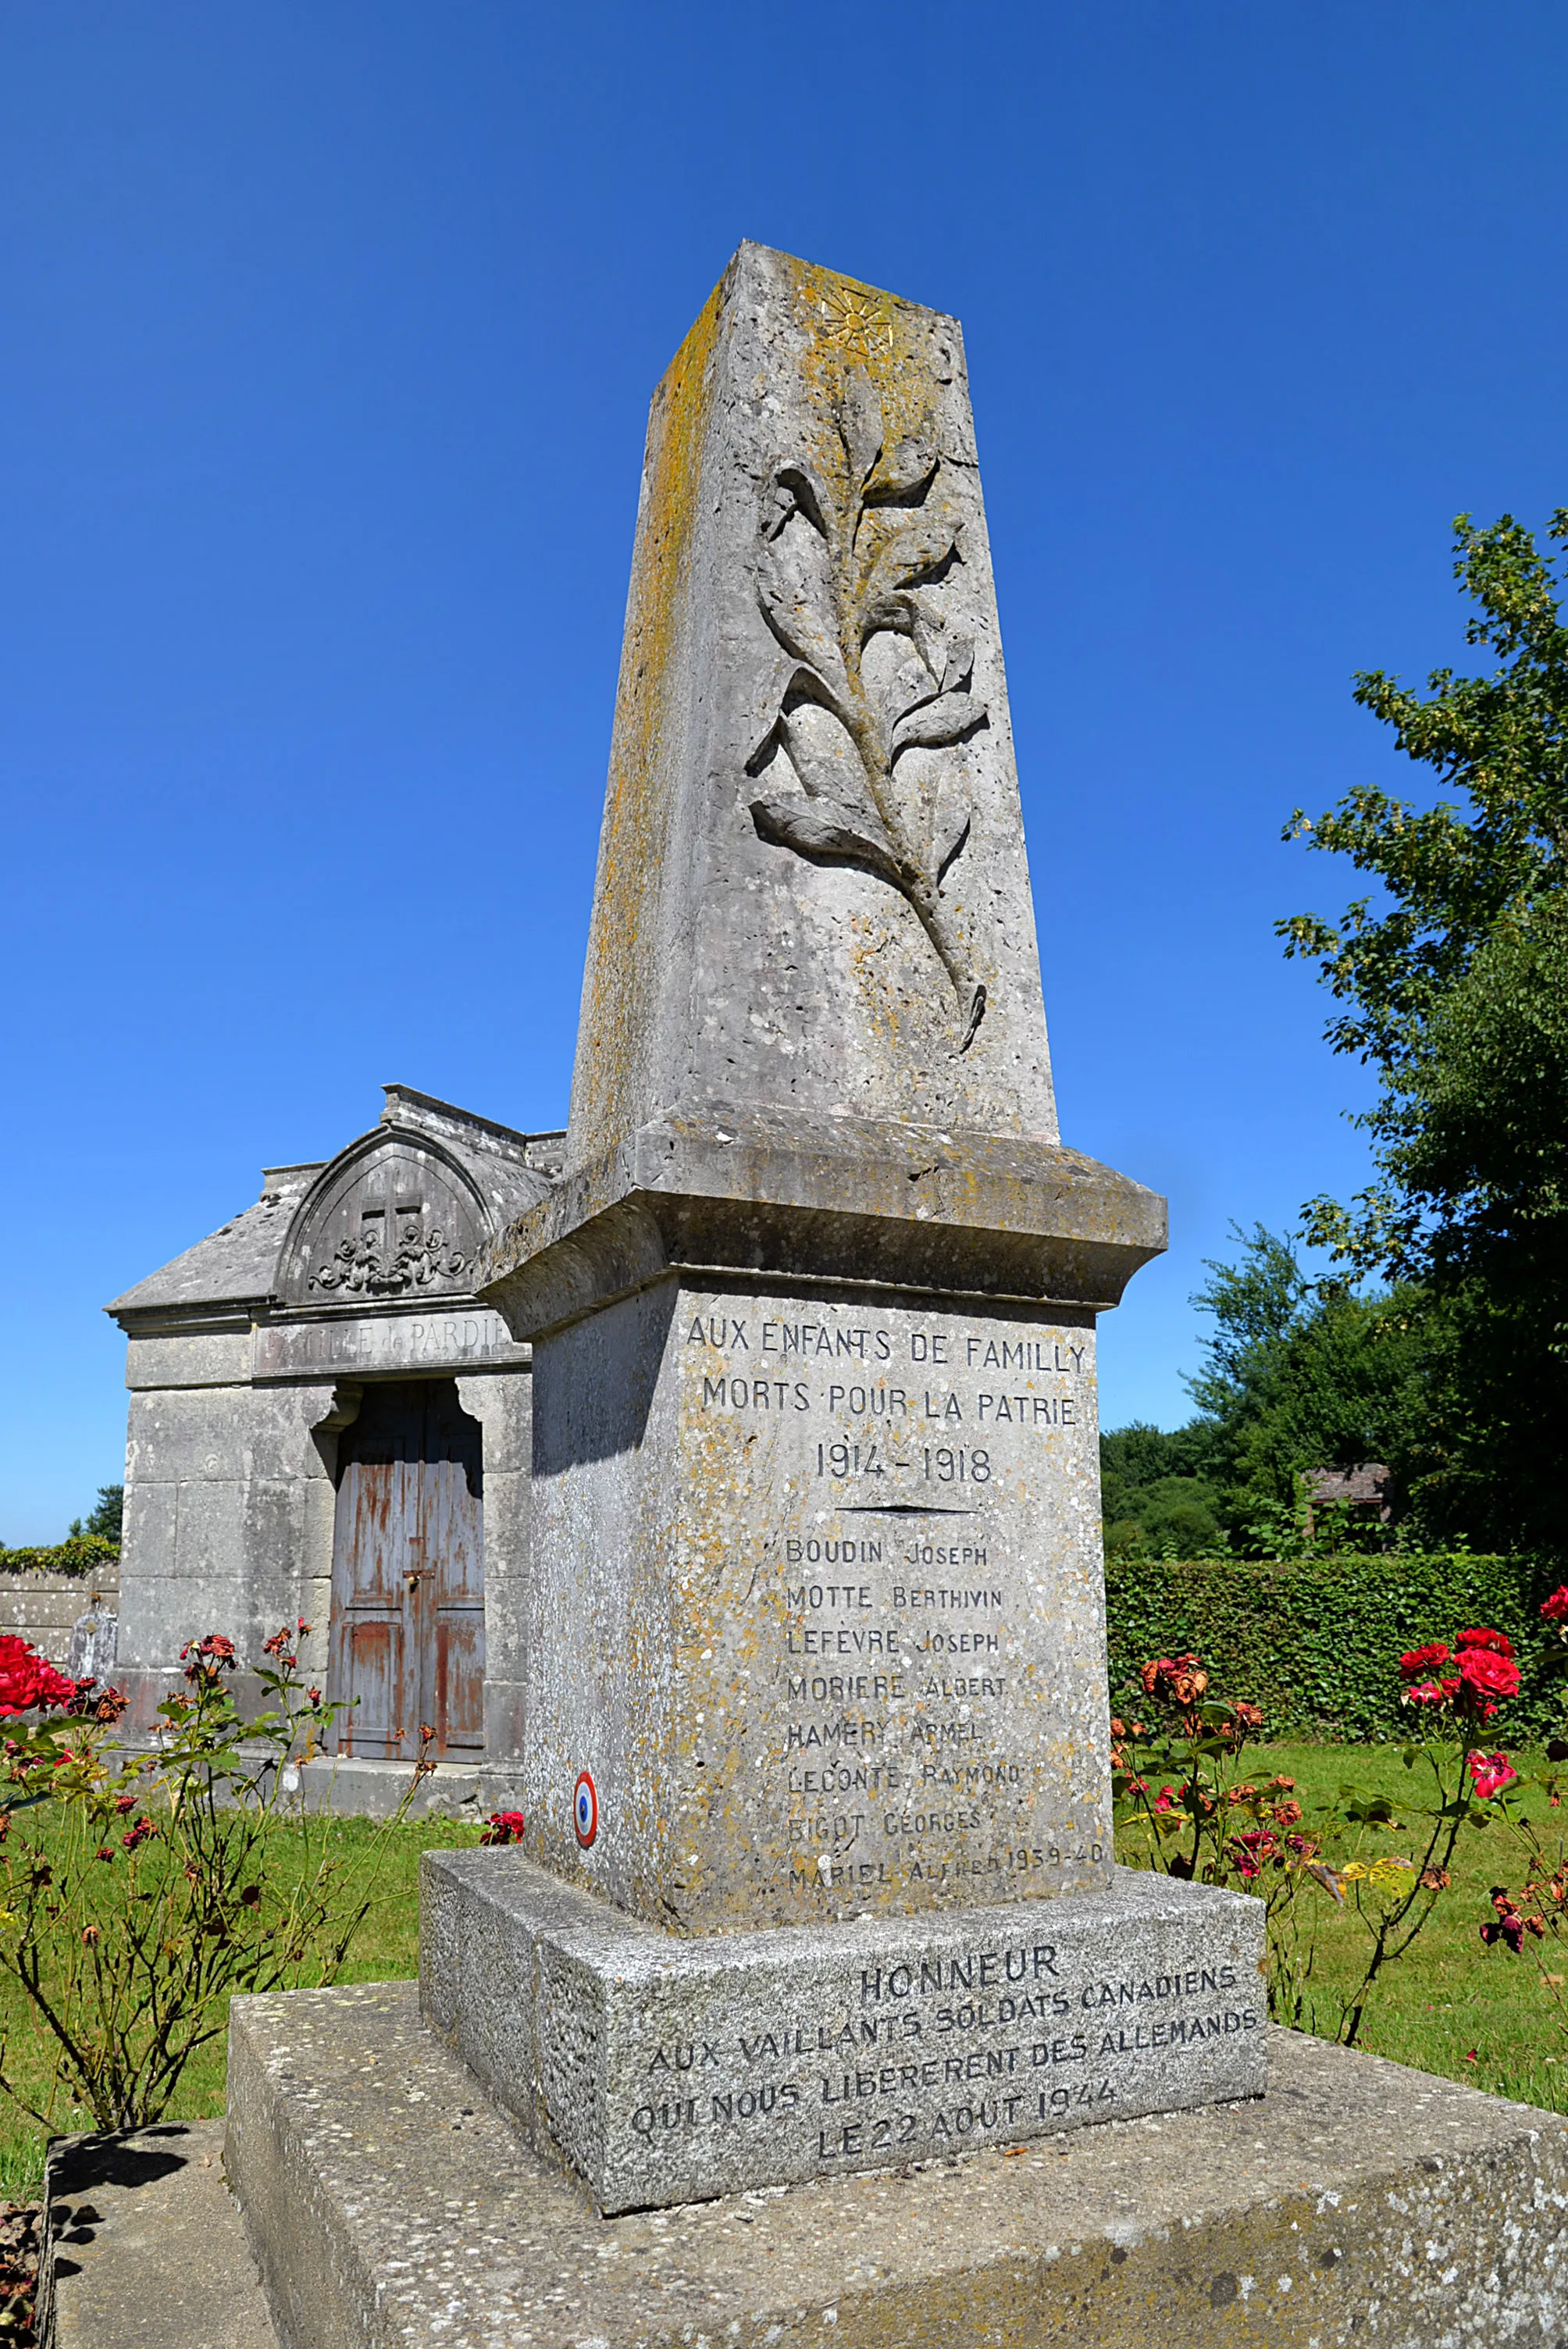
{"points": [[848, 328], [633, 832]]}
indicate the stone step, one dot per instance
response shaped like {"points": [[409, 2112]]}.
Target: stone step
{"points": [[390, 2205], [144, 2247]]}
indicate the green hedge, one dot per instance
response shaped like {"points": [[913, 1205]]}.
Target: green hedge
{"points": [[1317, 1642], [83, 1556]]}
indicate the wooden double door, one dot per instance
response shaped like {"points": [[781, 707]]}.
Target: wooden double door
{"points": [[408, 1574]]}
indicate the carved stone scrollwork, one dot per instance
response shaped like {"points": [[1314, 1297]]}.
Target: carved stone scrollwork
{"points": [[394, 1220], [849, 567], [357, 1265]]}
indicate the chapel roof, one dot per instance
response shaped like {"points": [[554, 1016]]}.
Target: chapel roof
{"points": [[239, 1266]]}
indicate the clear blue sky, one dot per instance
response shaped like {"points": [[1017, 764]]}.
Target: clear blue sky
{"points": [[329, 335]]}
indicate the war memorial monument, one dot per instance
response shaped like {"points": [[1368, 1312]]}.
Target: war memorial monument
{"points": [[813, 2006]]}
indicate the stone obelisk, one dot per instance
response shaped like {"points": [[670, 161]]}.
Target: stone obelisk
{"points": [[816, 1638]]}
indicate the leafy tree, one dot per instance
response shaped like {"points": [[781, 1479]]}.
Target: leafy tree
{"points": [[1301, 1375], [1156, 1490], [1455, 991], [105, 1518]]}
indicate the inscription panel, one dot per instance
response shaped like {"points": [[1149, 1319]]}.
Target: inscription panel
{"points": [[801, 2055], [436, 1343], [890, 1686]]}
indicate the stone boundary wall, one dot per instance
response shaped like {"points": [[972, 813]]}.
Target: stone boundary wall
{"points": [[41, 1608]]}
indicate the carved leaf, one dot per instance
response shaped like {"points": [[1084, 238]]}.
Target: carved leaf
{"points": [[905, 471], [921, 547], [822, 827], [955, 845], [958, 661], [861, 426], [948, 719], [825, 758], [794, 590]]}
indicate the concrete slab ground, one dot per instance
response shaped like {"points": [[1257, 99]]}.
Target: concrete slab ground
{"points": [[391, 2205], [144, 2247]]}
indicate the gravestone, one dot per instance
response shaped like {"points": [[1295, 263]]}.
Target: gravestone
{"points": [[95, 1641], [816, 1772]]}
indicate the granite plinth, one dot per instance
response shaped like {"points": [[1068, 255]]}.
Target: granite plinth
{"points": [[663, 2070], [390, 2205]]}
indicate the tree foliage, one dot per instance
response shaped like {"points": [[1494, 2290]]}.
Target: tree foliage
{"points": [[1300, 1375], [1453, 986]]}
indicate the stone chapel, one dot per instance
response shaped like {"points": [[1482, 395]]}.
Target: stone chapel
{"points": [[325, 1422]]}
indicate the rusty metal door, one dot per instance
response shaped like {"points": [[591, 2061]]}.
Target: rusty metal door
{"points": [[408, 1574]]}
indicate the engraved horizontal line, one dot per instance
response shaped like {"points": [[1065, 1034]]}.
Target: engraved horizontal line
{"points": [[902, 1509]]}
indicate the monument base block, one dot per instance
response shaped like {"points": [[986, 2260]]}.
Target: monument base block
{"points": [[388, 2202], [664, 2070]]}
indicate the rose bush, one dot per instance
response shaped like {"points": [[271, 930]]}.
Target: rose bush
{"points": [[1181, 1792], [139, 1888]]}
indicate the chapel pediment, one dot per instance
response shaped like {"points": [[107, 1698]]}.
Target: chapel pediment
{"points": [[393, 1221]]}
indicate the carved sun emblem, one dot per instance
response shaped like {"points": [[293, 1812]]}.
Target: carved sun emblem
{"points": [[858, 321]]}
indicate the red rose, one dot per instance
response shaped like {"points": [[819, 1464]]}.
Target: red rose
{"points": [[1555, 1608], [1499, 1640], [1487, 1675], [1420, 1662], [1491, 1772], [28, 1679]]}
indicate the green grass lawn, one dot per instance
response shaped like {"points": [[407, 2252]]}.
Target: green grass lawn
{"points": [[1451, 2006], [387, 1949]]}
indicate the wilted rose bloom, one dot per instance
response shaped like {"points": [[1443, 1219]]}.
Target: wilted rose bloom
{"points": [[1288, 1814], [1555, 1608], [207, 1658], [1509, 1925], [1421, 1662], [1251, 1850], [1251, 1716], [1487, 1673]]}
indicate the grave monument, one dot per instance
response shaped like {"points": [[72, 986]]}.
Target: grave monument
{"points": [[816, 1877], [816, 1707]]}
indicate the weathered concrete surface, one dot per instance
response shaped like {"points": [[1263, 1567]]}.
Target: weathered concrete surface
{"points": [[145, 2249], [392, 2205], [663, 2070], [828, 1199]]}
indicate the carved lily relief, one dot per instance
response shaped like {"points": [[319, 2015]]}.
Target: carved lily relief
{"points": [[850, 573]]}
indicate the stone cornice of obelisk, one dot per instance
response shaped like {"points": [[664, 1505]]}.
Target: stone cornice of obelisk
{"points": [[812, 1040]]}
